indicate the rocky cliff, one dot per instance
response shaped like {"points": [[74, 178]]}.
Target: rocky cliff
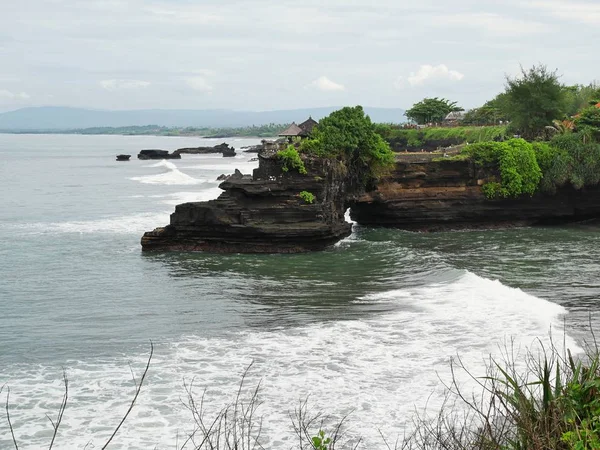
{"points": [[428, 194], [263, 212]]}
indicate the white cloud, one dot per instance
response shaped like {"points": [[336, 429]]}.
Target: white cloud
{"points": [[114, 85], [428, 74], [325, 84], [14, 95], [580, 12], [199, 84], [490, 23]]}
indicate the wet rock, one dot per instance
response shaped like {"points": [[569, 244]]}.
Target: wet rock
{"points": [[123, 157], [157, 154], [262, 213], [447, 195], [221, 148]]}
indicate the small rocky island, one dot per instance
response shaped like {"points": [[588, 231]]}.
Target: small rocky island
{"points": [[266, 212], [223, 149], [296, 199]]}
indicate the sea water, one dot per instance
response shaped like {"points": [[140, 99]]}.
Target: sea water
{"points": [[366, 328]]}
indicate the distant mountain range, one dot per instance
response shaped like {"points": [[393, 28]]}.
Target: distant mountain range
{"points": [[54, 118]]}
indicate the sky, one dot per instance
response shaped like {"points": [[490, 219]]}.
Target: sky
{"points": [[282, 54]]}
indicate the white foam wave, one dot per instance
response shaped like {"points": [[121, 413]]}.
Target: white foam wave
{"points": [[163, 163], [381, 368], [173, 176], [131, 224], [242, 166], [185, 197]]}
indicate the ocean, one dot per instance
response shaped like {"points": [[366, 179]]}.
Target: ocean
{"points": [[366, 328]]}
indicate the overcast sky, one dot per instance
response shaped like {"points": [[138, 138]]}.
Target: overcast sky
{"points": [[276, 54]]}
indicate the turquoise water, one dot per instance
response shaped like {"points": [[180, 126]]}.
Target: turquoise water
{"points": [[362, 327]]}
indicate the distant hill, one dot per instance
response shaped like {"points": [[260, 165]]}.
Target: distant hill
{"points": [[54, 118]]}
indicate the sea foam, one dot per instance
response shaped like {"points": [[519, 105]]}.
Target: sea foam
{"points": [[172, 176], [379, 369]]}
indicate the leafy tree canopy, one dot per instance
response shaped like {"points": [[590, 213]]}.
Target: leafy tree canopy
{"points": [[589, 118], [431, 110], [491, 113], [348, 132], [534, 100], [580, 96]]}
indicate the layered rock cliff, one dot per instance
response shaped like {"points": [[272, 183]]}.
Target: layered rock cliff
{"points": [[263, 213], [426, 194]]}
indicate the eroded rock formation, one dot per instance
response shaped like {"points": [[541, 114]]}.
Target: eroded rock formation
{"points": [[263, 212], [440, 194], [223, 148], [157, 154]]}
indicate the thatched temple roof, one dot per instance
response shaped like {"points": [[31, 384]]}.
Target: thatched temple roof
{"points": [[292, 130]]}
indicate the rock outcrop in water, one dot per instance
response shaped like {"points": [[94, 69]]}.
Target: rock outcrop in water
{"points": [[427, 195], [223, 148], [263, 212], [157, 154]]}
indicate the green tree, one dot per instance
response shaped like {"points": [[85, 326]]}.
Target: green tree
{"points": [[491, 113], [580, 96], [534, 100], [589, 118], [349, 133], [431, 110]]}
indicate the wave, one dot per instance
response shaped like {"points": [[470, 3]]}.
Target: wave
{"points": [[382, 368], [185, 197], [173, 176], [130, 224]]}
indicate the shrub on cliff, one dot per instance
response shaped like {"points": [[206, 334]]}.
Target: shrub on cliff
{"points": [[516, 163], [350, 134], [290, 159], [589, 119], [582, 158], [431, 138], [308, 197]]}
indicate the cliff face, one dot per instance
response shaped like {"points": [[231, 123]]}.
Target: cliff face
{"points": [[262, 213], [445, 194]]}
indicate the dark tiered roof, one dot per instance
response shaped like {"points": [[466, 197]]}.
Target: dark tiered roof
{"points": [[292, 130], [307, 126]]}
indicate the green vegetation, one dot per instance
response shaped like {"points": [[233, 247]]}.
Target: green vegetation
{"points": [[431, 110], [516, 163], [431, 138], [491, 113], [517, 167], [579, 96], [308, 197], [551, 403], [269, 130], [589, 119], [349, 134], [534, 100], [291, 160], [320, 441]]}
